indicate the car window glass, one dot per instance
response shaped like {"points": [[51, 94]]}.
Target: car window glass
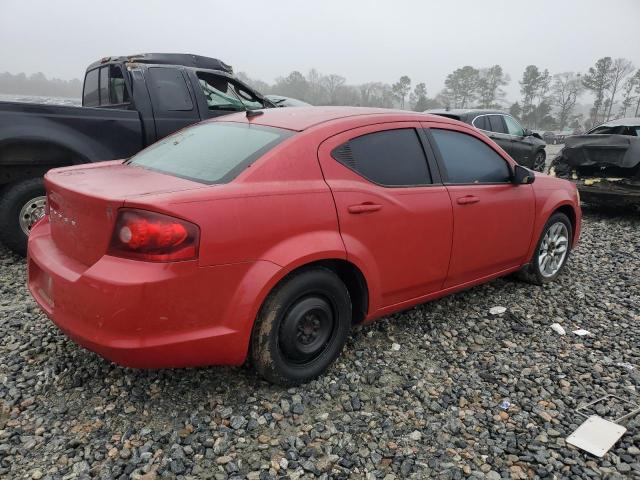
{"points": [[497, 125], [513, 127], [469, 160], [210, 153], [482, 122], [117, 89], [90, 96], [223, 94], [104, 86], [169, 89], [389, 157]]}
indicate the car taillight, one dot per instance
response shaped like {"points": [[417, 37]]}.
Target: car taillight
{"points": [[153, 237]]}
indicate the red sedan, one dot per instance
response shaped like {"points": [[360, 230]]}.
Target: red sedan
{"points": [[268, 236]]}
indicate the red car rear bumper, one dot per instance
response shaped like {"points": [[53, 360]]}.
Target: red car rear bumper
{"points": [[144, 314]]}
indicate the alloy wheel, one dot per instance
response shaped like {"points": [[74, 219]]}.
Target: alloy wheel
{"points": [[553, 249]]}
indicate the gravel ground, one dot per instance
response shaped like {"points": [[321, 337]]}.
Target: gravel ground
{"points": [[415, 395]]}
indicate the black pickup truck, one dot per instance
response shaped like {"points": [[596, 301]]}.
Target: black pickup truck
{"points": [[127, 103]]}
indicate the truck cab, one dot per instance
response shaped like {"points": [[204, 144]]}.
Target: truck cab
{"points": [[128, 103]]}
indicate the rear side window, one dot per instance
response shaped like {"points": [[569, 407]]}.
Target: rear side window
{"points": [[469, 160], [117, 89], [482, 122], [104, 86], [210, 152], [390, 158], [497, 124], [90, 97], [169, 89]]}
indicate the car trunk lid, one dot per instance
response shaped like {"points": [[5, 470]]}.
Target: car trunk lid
{"points": [[84, 203]]}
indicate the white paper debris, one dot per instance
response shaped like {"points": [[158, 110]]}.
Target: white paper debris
{"points": [[395, 347], [558, 329], [582, 332], [497, 310], [596, 435]]}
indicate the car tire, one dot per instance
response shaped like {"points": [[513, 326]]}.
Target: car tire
{"points": [[302, 327], [538, 271], [539, 161], [25, 199]]}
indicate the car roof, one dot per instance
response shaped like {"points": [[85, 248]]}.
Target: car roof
{"points": [[626, 122], [463, 111], [302, 118]]}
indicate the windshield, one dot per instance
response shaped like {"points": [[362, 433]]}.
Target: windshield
{"points": [[223, 94], [210, 153]]}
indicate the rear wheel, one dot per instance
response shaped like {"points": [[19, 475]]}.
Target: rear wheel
{"points": [[302, 327], [21, 206], [552, 251], [540, 161]]}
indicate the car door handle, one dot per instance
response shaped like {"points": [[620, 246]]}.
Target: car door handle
{"points": [[364, 208], [468, 199]]}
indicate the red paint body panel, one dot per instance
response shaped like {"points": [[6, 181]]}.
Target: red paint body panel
{"points": [[292, 207]]}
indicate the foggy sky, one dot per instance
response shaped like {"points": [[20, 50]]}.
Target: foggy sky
{"points": [[361, 40]]}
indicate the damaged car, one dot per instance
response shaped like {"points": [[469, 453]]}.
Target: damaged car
{"points": [[604, 163]]}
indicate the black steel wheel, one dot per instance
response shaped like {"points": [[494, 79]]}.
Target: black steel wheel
{"points": [[302, 327]]}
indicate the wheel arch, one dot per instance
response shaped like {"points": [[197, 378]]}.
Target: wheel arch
{"points": [[349, 274]]}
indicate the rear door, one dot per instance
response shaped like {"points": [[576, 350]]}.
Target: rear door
{"points": [[173, 103], [395, 216], [493, 218]]}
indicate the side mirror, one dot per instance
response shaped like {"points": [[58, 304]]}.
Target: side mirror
{"points": [[527, 132], [523, 176]]}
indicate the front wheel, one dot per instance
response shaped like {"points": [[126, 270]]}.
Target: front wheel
{"points": [[540, 161], [552, 251], [302, 327], [21, 206]]}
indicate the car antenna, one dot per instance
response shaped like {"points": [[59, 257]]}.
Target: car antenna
{"points": [[247, 112]]}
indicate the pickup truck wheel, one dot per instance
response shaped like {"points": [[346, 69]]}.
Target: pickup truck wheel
{"points": [[302, 327], [21, 206], [540, 161], [551, 253]]}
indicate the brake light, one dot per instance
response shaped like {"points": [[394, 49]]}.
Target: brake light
{"points": [[153, 237]]}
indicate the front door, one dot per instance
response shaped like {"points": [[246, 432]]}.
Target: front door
{"points": [[395, 216], [493, 218]]}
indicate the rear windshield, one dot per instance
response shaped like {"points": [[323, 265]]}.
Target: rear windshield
{"points": [[210, 152]]}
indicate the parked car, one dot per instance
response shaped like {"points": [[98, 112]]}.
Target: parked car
{"points": [[280, 101], [604, 163], [270, 235], [524, 146], [127, 103]]}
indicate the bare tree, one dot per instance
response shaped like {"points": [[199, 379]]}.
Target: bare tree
{"points": [[565, 90], [332, 83], [620, 68]]}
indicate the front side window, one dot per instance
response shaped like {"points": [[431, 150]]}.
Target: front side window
{"points": [[223, 94], [513, 127], [496, 124], [90, 96], [210, 153], [389, 158], [469, 160]]}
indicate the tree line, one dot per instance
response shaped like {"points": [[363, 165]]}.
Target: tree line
{"points": [[39, 84], [547, 102]]}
